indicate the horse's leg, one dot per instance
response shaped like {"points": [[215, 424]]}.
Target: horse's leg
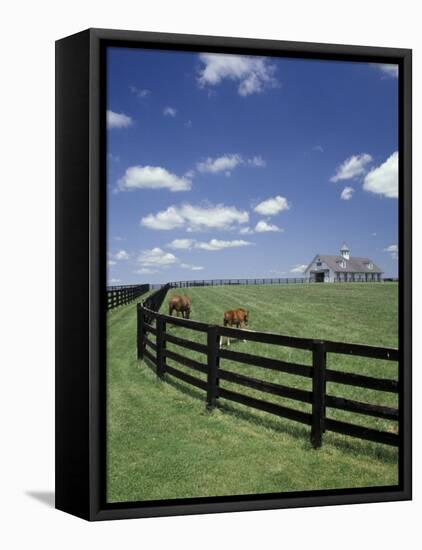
{"points": [[238, 326], [243, 326]]}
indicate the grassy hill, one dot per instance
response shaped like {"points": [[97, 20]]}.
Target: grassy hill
{"points": [[163, 444]]}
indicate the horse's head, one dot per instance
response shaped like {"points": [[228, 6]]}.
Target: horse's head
{"points": [[243, 315]]}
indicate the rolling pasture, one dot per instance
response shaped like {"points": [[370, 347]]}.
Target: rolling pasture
{"points": [[162, 442]]}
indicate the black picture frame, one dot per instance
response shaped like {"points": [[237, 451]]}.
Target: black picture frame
{"points": [[81, 273]]}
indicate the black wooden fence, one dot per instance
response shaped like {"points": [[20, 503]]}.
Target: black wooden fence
{"points": [[156, 351], [219, 282], [153, 301], [121, 295], [256, 281]]}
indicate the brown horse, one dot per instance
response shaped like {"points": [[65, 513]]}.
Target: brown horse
{"points": [[238, 318], [180, 304]]}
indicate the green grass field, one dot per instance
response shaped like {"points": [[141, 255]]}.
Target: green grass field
{"points": [[164, 444]]}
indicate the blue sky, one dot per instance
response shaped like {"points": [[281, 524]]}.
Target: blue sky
{"points": [[231, 166]]}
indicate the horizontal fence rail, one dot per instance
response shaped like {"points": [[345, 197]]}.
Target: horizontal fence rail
{"points": [[255, 281], [156, 351], [121, 295]]}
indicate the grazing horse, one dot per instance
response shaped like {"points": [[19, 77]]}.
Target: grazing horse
{"points": [[179, 304], [235, 317]]}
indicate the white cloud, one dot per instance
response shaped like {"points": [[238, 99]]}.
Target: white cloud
{"points": [[181, 244], [139, 92], [352, 167], [114, 281], [188, 124], [213, 244], [257, 160], [153, 177], [393, 250], [246, 231], [156, 258], [254, 74], [262, 227], [165, 220], [118, 120], [121, 255], [189, 174], [388, 69], [347, 193], [318, 148], [373, 234], [216, 244], [272, 206], [228, 162], [220, 164], [169, 111], [192, 267], [384, 179], [299, 268], [196, 218], [146, 271], [113, 158]]}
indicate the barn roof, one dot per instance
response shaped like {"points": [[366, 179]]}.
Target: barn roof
{"points": [[353, 264]]}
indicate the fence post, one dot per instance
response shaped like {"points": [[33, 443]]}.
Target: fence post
{"points": [[319, 361], [161, 327], [140, 331], [212, 378]]}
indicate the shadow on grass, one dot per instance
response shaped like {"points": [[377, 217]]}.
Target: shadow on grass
{"points": [[279, 425], [149, 364], [276, 424], [296, 430], [358, 447], [191, 391], [186, 389]]}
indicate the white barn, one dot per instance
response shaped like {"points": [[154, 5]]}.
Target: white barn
{"points": [[347, 268]]}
